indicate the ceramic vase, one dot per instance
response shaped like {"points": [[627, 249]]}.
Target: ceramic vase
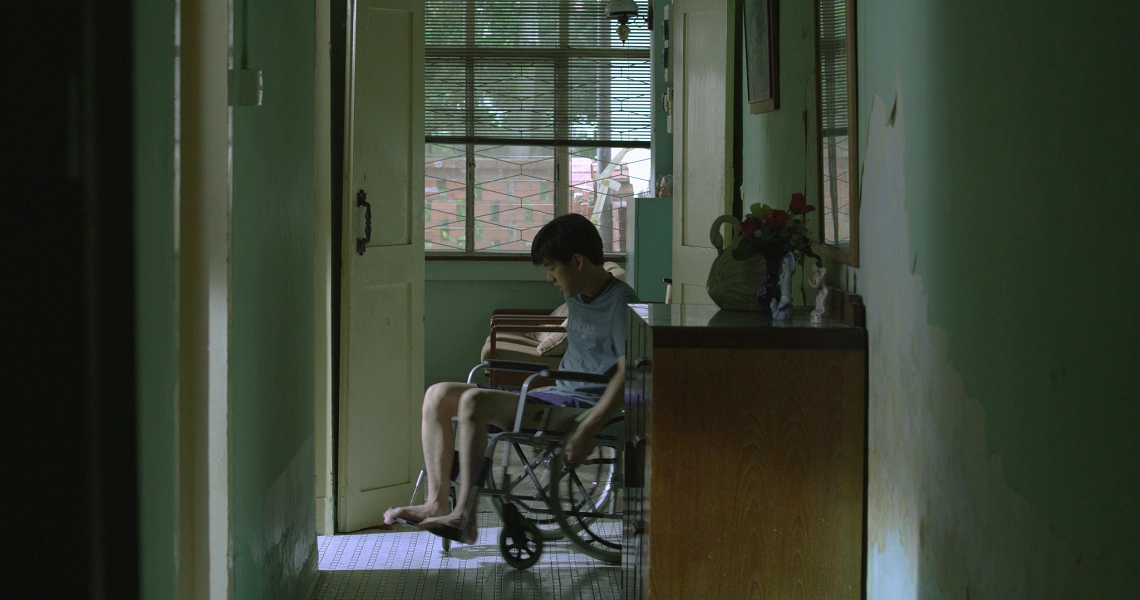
{"points": [[732, 283]]}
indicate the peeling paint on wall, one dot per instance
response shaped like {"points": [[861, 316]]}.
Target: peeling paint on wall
{"points": [[943, 522], [284, 545]]}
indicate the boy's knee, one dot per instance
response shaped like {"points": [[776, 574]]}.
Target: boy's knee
{"points": [[433, 399], [469, 405]]}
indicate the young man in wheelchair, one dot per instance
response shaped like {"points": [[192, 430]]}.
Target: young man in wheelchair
{"points": [[571, 250]]}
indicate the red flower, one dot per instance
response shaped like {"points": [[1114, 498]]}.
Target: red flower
{"points": [[748, 227], [799, 205], [777, 218]]}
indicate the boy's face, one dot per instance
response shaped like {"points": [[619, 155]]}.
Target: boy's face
{"points": [[565, 276]]}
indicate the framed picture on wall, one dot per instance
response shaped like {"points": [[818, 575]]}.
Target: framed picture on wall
{"points": [[761, 50]]}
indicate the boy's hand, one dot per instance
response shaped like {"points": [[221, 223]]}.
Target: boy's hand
{"points": [[581, 442], [579, 446]]}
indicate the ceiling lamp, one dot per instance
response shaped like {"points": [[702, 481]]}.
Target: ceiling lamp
{"points": [[621, 11]]}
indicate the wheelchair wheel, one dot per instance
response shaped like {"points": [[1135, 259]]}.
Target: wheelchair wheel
{"points": [[529, 490], [585, 501], [520, 541]]}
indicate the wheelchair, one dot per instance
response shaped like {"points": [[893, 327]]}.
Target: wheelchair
{"points": [[537, 495]]}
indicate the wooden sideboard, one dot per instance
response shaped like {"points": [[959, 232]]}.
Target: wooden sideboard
{"points": [[748, 439]]}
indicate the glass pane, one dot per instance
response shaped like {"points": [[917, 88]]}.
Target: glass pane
{"points": [[602, 180], [526, 24], [834, 143], [537, 72], [513, 23], [445, 96], [514, 99], [836, 191], [514, 196], [609, 100], [445, 197]]}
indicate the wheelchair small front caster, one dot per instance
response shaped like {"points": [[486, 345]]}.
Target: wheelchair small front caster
{"points": [[520, 542]]}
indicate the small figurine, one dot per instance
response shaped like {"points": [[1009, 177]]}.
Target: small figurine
{"points": [[819, 273], [782, 307]]}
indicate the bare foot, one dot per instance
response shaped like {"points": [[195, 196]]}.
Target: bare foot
{"points": [[455, 520], [415, 514]]}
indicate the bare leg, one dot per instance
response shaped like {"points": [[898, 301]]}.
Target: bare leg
{"points": [[477, 408], [441, 404]]}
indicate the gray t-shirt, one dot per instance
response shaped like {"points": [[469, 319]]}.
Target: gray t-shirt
{"points": [[595, 331]]}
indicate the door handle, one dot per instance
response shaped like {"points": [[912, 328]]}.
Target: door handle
{"points": [[362, 243]]}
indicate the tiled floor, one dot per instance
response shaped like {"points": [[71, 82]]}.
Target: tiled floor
{"points": [[407, 564]]}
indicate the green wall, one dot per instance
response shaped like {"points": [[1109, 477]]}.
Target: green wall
{"points": [[1017, 140], [777, 148], [154, 285], [274, 540], [1002, 416], [459, 298]]}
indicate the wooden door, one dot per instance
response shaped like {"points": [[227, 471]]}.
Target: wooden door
{"points": [[702, 154], [382, 285]]}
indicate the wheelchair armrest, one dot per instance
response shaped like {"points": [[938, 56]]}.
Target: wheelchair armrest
{"points": [[506, 365]]}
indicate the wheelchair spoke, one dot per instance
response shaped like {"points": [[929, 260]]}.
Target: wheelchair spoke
{"points": [[527, 474], [593, 515], [583, 491], [586, 498], [525, 482], [528, 470]]}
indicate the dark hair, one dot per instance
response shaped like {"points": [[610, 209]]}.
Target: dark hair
{"points": [[565, 236]]}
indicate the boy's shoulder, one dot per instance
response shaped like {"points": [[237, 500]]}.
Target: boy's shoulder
{"points": [[620, 295], [625, 292], [618, 292]]}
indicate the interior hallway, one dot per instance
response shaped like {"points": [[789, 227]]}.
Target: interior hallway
{"points": [[1003, 417]]}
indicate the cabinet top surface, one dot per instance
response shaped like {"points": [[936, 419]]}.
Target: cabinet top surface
{"points": [[705, 325]]}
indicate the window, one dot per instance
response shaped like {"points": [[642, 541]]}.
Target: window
{"points": [[839, 185], [532, 109]]}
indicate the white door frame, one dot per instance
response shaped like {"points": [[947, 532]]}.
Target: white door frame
{"points": [[203, 560], [322, 281]]}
